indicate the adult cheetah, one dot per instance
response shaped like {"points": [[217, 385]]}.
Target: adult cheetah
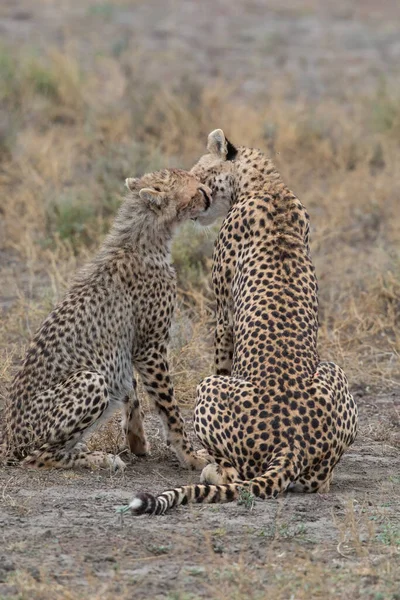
{"points": [[78, 369], [273, 417]]}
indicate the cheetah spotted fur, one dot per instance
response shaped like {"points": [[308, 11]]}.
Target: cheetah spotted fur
{"points": [[79, 366]]}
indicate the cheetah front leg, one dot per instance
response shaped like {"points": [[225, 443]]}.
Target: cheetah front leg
{"points": [[132, 424], [154, 370]]}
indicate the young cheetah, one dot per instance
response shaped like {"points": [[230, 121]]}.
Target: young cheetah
{"points": [[273, 417], [117, 313]]}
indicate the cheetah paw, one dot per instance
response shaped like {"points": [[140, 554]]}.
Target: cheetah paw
{"points": [[115, 463], [211, 475], [81, 447], [198, 460]]}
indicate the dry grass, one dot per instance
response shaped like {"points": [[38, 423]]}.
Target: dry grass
{"points": [[73, 153]]}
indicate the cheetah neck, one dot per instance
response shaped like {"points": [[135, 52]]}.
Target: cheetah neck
{"points": [[139, 229], [256, 174], [136, 238], [259, 187]]}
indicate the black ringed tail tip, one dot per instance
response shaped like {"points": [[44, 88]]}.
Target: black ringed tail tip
{"points": [[143, 503]]}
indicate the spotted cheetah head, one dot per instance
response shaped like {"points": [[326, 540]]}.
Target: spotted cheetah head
{"points": [[216, 169], [171, 195]]}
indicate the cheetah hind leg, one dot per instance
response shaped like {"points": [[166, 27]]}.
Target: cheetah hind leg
{"points": [[61, 458], [77, 406], [312, 483]]}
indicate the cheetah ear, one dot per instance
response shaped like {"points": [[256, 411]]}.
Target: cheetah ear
{"points": [[152, 198], [131, 183], [219, 145], [216, 143]]}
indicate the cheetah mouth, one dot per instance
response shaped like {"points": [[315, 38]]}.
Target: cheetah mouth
{"points": [[207, 205], [203, 213]]}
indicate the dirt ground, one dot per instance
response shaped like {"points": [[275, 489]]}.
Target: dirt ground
{"points": [[61, 537], [61, 534]]}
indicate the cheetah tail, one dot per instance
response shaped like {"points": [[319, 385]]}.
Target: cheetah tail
{"points": [[144, 503], [283, 470]]}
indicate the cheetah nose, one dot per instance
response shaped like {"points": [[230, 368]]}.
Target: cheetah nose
{"points": [[207, 198]]}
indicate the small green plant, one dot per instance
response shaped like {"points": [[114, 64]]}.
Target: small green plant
{"points": [[8, 75], [394, 479], [42, 80], [286, 531], [390, 535], [180, 596], [121, 512], [246, 498], [197, 571], [104, 10], [385, 111], [221, 531], [69, 217]]}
